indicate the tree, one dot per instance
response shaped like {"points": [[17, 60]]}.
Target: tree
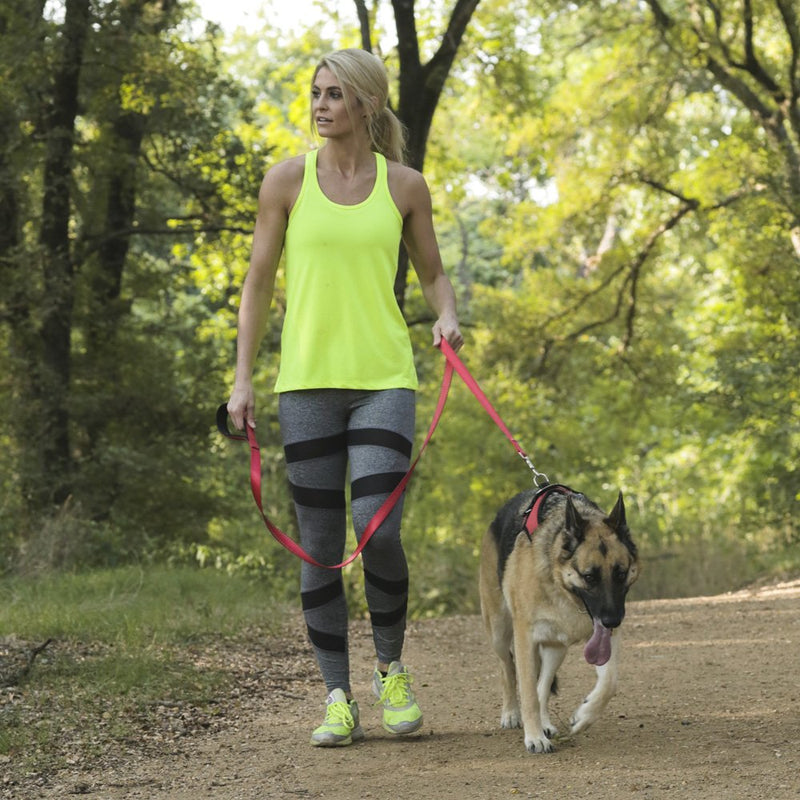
{"points": [[131, 156], [752, 52], [51, 374], [656, 273], [420, 85]]}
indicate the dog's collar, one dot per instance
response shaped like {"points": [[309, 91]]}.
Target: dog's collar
{"points": [[533, 512]]}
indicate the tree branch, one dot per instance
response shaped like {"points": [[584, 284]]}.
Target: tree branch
{"points": [[363, 23], [752, 63], [95, 242], [663, 20], [629, 286], [788, 12], [15, 678]]}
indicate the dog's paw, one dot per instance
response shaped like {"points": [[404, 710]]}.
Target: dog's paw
{"points": [[511, 719], [583, 717], [550, 731], [538, 744]]}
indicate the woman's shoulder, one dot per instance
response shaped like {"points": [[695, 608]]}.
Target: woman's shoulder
{"points": [[407, 185], [287, 170], [283, 180], [404, 179], [402, 172]]}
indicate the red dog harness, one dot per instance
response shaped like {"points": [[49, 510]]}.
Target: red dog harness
{"points": [[533, 512]]}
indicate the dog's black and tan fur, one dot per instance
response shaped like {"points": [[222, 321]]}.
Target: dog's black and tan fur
{"points": [[542, 593]]}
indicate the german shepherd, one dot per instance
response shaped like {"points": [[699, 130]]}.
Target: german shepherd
{"points": [[543, 591]]}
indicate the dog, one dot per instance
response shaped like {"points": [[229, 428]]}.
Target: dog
{"points": [[554, 572]]}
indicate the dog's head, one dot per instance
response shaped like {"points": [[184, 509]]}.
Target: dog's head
{"points": [[599, 561]]}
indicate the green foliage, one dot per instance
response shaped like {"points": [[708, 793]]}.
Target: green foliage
{"points": [[141, 393], [649, 350], [612, 204]]}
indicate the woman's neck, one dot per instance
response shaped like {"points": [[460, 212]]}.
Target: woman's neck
{"points": [[346, 159]]}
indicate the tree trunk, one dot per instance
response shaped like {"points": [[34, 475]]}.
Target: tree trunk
{"points": [[420, 87], [21, 32], [57, 266], [119, 185]]}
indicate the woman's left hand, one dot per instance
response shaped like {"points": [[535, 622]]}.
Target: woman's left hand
{"points": [[446, 327]]}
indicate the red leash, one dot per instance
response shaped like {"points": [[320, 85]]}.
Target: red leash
{"points": [[452, 363], [455, 363]]}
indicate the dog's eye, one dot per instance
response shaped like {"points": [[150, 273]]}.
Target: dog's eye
{"points": [[620, 574], [591, 577]]}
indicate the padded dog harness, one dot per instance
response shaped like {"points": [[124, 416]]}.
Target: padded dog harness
{"points": [[533, 512]]}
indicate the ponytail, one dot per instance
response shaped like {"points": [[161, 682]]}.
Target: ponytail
{"points": [[387, 134]]}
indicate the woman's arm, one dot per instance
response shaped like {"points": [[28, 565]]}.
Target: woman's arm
{"points": [[278, 190], [419, 237]]}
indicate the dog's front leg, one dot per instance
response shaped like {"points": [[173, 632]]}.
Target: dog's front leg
{"points": [[528, 662], [552, 656], [603, 690]]}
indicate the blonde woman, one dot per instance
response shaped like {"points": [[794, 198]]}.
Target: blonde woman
{"points": [[347, 381]]}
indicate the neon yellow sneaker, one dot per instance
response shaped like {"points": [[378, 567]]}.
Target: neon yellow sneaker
{"points": [[401, 714], [341, 726]]}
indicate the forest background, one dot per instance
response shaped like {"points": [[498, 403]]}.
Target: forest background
{"points": [[616, 190]]}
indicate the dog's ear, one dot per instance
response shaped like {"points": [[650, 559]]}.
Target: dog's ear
{"points": [[574, 529], [616, 521]]}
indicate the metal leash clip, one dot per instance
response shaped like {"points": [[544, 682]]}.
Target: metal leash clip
{"points": [[536, 474]]}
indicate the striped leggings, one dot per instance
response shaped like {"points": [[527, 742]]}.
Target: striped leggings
{"points": [[323, 431]]}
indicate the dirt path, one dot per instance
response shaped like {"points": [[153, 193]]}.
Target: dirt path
{"points": [[707, 708]]}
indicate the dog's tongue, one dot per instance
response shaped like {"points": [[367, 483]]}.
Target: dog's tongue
{"points": [[598, 648]]}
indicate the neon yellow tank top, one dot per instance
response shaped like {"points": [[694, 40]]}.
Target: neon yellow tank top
{"points": [[343, 328]]}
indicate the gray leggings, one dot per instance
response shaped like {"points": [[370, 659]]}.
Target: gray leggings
{"points": [[323, 430]]}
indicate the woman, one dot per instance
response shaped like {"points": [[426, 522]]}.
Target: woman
{"points": [[347, 380]]}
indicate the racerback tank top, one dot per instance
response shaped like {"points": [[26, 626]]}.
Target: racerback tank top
{"points": [[343, 327]]}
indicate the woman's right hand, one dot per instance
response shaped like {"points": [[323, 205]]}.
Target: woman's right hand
{"points": [[242, 406]]}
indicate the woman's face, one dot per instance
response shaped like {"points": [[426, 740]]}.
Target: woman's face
{"points": [[328, 107]]}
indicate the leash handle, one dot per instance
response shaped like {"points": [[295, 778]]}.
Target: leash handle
{"points": [[481, 397], [222, 425], [380, 515]]}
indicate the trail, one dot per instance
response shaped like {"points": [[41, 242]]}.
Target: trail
{"points": [[707, 709]]}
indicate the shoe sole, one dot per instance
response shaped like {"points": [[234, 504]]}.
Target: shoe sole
{"points": [[356, 736], [404, 728]]}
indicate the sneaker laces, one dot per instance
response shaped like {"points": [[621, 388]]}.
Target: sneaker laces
{"points": [[396, 690], [339, 713]]}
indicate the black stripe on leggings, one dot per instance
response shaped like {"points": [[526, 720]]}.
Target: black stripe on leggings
{"points": [[382, 483], [327, 641], [386, 586], [381, 438], [318, 498], [315, 448], [387, 619], [314, 598]]}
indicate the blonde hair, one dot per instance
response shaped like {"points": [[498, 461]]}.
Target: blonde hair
{"points": [[363, 81]]}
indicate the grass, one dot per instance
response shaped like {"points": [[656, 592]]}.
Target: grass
{"points": [[132, 607], [126, 645]]}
